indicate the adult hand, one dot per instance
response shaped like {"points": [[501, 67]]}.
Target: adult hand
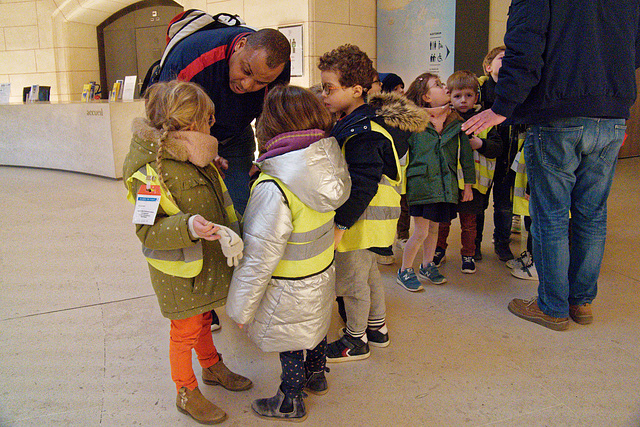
{"points": [[205, 229], [482, 121], [221, 164]]}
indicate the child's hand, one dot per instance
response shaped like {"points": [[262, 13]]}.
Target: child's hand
{"points": [[467, 193], [337, 236], [475, 142], [205, 229]]}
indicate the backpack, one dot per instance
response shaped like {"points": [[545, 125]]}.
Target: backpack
{"points": [[182, 26]]}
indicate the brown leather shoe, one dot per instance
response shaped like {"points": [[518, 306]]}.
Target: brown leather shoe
{"points": [[219, 374], [581, 314], [529, 310], [194, 404]]}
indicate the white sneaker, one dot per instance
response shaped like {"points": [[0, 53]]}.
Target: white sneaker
{"points": [[524, 259], [526, 272], [516, 227], [386, 259]]}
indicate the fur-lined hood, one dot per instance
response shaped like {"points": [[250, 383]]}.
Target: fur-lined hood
{"points": [[184, 146], [399, 112]]}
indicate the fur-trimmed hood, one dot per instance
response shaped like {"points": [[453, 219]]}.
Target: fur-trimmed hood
{"points": [[399, 112], [184, 146]]}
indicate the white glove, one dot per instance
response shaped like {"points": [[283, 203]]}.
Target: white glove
{"points": [[231, 244]]}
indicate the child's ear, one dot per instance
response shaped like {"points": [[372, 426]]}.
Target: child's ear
{"points": [[426, 98], [357, 91]]}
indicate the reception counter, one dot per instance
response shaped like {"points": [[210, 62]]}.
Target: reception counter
{"points": [[90, 137]]}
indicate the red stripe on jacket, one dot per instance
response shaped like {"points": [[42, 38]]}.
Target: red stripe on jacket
{"points": [[208, 58]]}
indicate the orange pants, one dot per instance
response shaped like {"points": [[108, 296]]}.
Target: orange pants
{"points": [[186, 334]]}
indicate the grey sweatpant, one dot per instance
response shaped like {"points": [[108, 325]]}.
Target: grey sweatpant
{"points": [[359, 282]]}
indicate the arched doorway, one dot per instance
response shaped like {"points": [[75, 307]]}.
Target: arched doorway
{"points": [[132, 39]]}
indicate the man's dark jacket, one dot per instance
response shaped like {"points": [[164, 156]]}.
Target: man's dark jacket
{"points": [[569, 58], [203, 58]]}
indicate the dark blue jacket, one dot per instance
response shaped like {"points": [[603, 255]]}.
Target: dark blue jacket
{"points": [[203, 58], [569, 58]]}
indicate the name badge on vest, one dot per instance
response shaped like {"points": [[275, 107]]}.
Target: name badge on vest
{"points": [[516, 162], [147, 202]]}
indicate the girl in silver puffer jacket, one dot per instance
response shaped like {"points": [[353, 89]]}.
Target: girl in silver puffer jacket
{"points": [[283, 289]]}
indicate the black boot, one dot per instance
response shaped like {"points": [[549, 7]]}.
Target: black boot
{"points": [[503, 251], [316, 381], [290, 408]]}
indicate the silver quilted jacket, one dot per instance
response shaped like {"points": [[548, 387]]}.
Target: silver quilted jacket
{"points": [[287, 315]]}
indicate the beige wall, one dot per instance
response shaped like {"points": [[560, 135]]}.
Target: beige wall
{"points": [[54, 43], [498, 22]]}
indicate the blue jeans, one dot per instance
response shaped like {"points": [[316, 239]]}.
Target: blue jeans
{"points": [[570, 166], [239, 152], [236, 178]]}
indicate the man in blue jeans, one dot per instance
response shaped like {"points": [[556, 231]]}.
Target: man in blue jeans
{"points": [[571, 78]]}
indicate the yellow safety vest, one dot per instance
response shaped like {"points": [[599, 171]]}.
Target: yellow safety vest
{"points": [[520, 203], [185, 262], [309, 249], [485, 168], [376, 227]]}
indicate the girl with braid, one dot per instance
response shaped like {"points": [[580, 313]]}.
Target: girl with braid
{"points": [[190, 246]]}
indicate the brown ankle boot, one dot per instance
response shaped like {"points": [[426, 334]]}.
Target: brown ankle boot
{"points": [[219, 374], [194, 404]]}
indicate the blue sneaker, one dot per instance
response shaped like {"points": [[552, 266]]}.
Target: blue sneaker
{"points": [[408, 280], [431, 273]]}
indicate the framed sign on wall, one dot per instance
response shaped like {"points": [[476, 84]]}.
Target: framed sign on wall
{"points": [[294, 34]]}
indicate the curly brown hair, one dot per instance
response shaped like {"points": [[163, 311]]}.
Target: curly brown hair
{"points": [[352, 65]]}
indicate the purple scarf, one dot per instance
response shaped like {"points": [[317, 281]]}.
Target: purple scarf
{"points": [[291, 141]]}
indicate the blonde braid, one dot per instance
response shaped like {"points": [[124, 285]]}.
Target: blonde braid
{"points": [[159, 154]]}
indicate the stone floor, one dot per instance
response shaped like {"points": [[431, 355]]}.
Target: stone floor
{"points": [[82, 342]]}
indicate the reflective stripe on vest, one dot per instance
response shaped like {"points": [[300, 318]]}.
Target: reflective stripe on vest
{"points": [[185, 262], [485, 168], [376, 227], [309, 249], [520, 203]]}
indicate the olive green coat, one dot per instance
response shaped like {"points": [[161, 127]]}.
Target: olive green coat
{"points": [[196, 190]]}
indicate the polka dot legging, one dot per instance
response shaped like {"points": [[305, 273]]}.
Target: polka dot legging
{"points": [[294, 365]]}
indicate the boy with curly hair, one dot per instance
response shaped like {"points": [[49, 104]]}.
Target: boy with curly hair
{"points": [[373, 136]]}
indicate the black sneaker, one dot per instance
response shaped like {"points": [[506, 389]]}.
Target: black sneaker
{"points": [[378, 337], [215, 321], [375, 337], [347, 348], [439, 256], [468, 264]]}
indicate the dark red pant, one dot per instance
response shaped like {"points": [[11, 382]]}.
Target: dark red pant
{"points": [[468, 234]]}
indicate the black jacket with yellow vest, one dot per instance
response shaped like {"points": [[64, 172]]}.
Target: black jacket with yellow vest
{"points": [[373, 138]]}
